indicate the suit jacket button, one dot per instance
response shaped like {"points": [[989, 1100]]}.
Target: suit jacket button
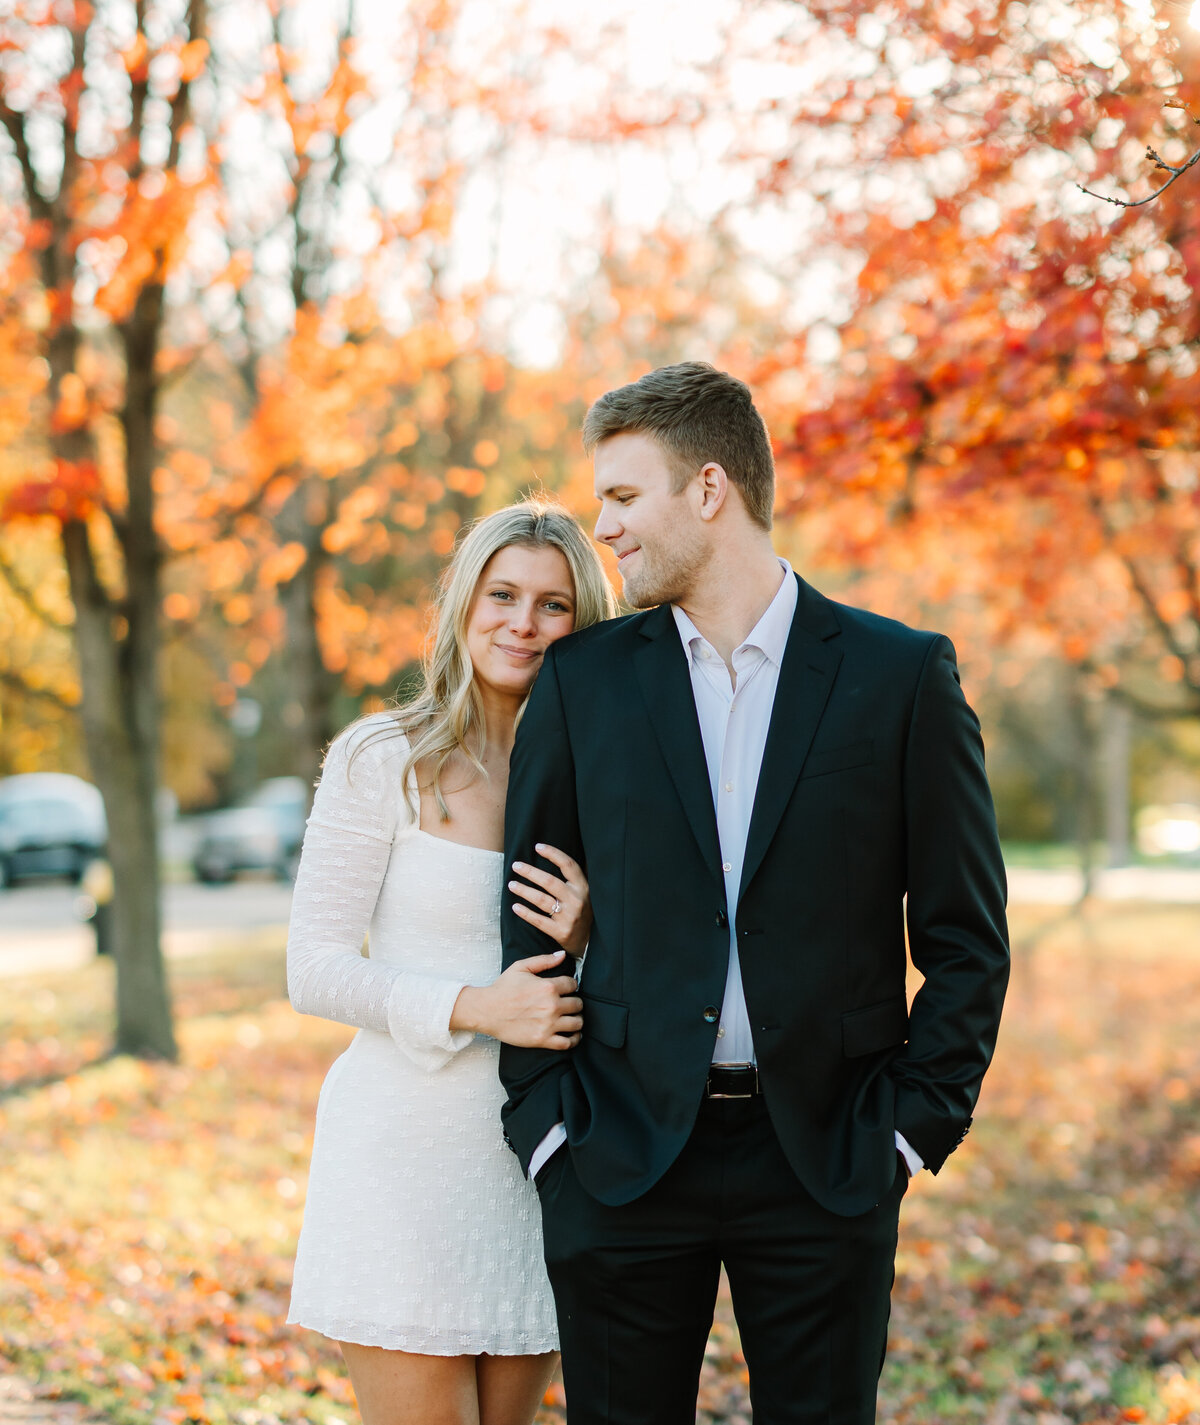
{"points": [[711, 1015]]}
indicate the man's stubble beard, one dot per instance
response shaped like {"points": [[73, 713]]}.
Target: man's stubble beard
{"points": [[667, 576]]}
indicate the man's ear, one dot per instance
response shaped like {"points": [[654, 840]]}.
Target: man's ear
{"points": [[714, 489]]}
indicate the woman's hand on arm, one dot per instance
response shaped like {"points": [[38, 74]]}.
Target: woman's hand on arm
{"points": [[560, 906], [523, 1008]]}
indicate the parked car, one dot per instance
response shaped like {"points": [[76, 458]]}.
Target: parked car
{"points": [[261, 833], [1168, 830], [51, 824]]}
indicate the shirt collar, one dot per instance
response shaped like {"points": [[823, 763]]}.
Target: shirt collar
{"points": [[769, 635]]}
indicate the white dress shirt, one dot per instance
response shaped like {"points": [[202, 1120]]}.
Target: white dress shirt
{"points": [[733, 727], [734, 715]]}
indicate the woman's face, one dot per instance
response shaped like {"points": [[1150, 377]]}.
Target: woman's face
{"points": [[524, 600]]}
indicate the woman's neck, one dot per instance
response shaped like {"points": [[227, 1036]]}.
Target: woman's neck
{"points": [[499, 722]]}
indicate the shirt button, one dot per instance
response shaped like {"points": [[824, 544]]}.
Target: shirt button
{"points": [[721, 1032], [727, 866], [711, 1015], [729, 786], [704, 653]]}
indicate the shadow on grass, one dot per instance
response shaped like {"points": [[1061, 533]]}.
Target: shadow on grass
{"points": [[32, 1084]]}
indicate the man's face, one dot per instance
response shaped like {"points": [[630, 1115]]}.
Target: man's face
{"points": [[656, 534]]}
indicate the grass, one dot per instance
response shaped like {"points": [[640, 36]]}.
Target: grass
{"points": [[1064, 856], [1050, 1274]]}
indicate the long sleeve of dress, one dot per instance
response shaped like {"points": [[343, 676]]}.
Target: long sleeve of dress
{"points": [[357, 812]]}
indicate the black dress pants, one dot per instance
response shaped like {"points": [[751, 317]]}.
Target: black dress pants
{"points": [[635, 1285]]}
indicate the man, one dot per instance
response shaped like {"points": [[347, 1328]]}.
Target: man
{"points": [[754, 778]]}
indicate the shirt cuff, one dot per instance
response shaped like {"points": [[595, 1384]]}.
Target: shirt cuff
{"points": [[546, 1149], [418, 1012], [912, 1158]]}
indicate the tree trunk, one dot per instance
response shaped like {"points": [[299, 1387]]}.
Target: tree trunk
{"points": [[143, 1006], [124, 770], [310, 682], [116, 643], [1118, 738], [1084, 782]]}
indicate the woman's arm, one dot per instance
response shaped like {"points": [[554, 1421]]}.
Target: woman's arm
{"points": [[347, 848]]}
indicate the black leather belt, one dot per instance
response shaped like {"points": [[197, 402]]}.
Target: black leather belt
{"points": [[732, 1081]]}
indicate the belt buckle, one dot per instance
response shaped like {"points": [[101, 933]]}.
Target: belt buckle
{"points": [[708, 1083]]}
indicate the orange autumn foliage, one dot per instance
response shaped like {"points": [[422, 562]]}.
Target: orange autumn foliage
{"points": [[1011, 415]]}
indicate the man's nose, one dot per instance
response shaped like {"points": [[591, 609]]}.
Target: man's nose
{"points": [[607, 526]]}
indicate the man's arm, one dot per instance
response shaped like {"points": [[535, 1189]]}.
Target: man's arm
{"points": [[958, 935], [541, 807]]}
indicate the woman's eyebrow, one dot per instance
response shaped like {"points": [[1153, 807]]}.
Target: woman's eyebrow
{"points": [[545, 594]]}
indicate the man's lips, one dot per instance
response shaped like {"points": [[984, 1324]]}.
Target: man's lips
{"points": [[626, 553]]}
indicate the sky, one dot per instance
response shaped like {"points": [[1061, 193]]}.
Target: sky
{"points": [[530, 214], [531, 208]]}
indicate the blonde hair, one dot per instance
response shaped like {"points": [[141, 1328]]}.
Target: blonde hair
{"points": [[446, 715]]}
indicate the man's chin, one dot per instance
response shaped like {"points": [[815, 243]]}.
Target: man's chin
{"points": [[645, 586], [639, 596]]}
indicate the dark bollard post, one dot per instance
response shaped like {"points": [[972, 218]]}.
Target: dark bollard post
{"points": [[97, 887]]}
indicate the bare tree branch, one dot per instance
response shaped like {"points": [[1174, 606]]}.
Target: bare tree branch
{"points": [[1160, 164], [1146, 595], [1154, 712], [1176, 174], [17, 684], [139, 89], [70, 123], [14, 123], [197, 23], [16, 582]]}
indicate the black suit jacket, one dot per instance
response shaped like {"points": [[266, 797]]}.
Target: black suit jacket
{"points": [[872, 788]]}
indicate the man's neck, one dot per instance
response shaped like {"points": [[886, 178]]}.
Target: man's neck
{"points": [[731, 597]]}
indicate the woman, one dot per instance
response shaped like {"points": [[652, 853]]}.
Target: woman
{"points": [[421, 1247]]}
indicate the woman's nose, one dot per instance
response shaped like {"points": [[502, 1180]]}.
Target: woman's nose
{"points": [[522, 620]]}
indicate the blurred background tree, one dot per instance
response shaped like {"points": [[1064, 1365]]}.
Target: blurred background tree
{"points": [[289, 292]]}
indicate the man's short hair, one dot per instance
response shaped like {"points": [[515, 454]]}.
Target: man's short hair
{"points": [[696, 414]]}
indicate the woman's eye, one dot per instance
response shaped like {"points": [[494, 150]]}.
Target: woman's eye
{"points": [[501, 594], [555, 607]]}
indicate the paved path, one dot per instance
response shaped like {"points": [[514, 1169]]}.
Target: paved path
{"points": [[1164, 884], [40, 928], [21, 1401]]}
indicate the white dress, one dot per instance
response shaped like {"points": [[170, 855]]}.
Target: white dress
{"points": [[420, 1232]]}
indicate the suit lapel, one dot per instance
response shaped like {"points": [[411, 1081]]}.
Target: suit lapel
{"points": [[806, 676], [662, 672]]}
